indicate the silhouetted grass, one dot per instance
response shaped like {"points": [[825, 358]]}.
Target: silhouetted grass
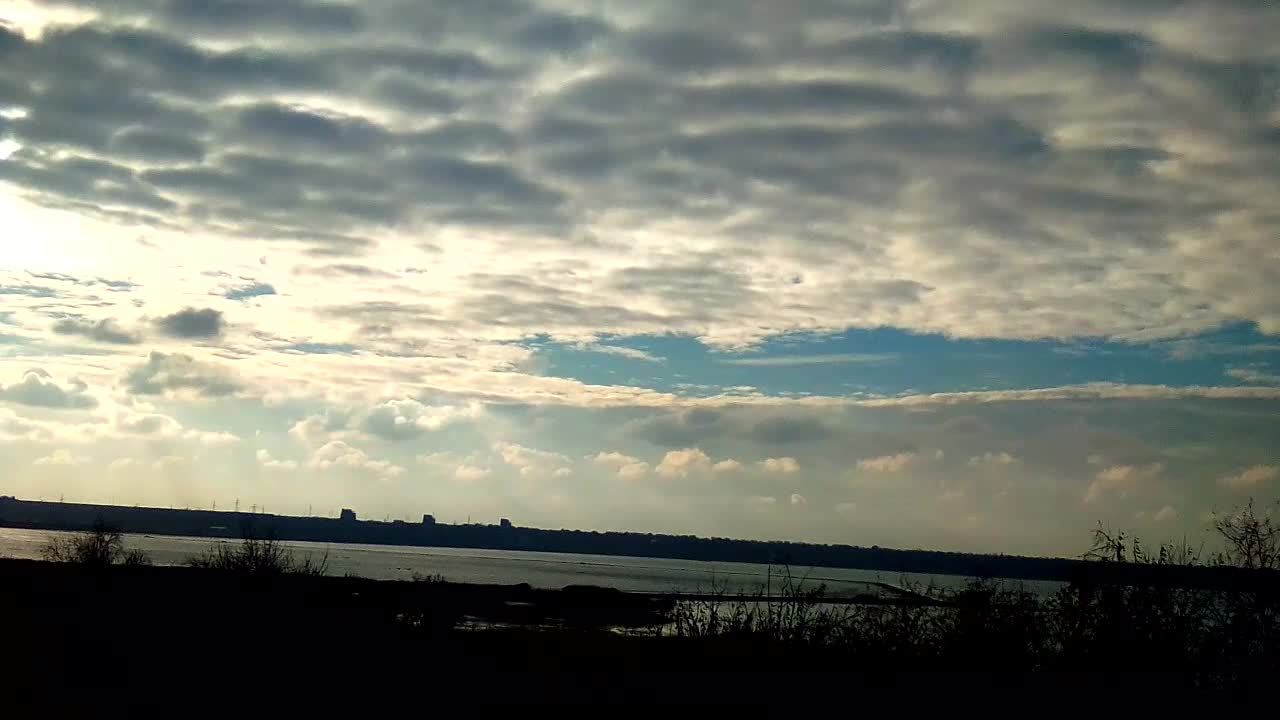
{"points": [[98, 547], [1100, 627], [259, 557]]}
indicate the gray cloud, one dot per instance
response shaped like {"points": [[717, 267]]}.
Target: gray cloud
{"points": [[191, 323], [106, 330], [912, 164], [338, 270], [38, 389], [788, 430], [248, 290], [681, 430], [164, 374]]}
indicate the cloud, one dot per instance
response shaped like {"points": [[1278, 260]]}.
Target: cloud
{"points": [[406, 418], [1165, 514], [1120, 481], [345, 270], [820, 197], [62, 458], [1253, 376], [679, 463], [633, 471], [247, 290], [780, 466], [787, 430], [338, 454], [889, 463], [828, 359], [992, 459], [267, 461], [124, 464], [1089, 391], [626, 352], [798, 500], [169, 463], [177, 374], [1250, 477], [335, 123], [727, 466], [530, 461], [130, 423], [191, 323], [103, 331], [626, 466], [471, 473], [615, 459], [760, 502], [38, 389]]}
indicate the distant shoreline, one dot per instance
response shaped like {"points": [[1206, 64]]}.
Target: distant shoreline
{"points": [[37, 515]]}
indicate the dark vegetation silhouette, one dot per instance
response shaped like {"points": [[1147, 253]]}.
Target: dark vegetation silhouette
{"points": [[1202, 639], [1120, 627], [259, 556], [100, 546]]}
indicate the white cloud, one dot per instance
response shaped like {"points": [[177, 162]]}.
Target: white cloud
{"points": [[530, 461], [267, 461], [761, 502], [626, 352], [1088, 391], [123, 464], [318, 429], [727, 466], [634, 471], [992, 459], [338, 454], [828, 359], [626, 466], [1121, 480], [1250, 477], [798, 500], [1254, 376], [169, 463], [889, 463], [780, 466], [63, 458], [679, 463], [471, 473], [613, 459], [407, 418], [38, 389]]}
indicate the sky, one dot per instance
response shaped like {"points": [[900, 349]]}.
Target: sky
{"points": [[910, 273]]}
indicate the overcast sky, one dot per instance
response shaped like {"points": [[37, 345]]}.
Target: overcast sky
{"points": [[899, 272]]}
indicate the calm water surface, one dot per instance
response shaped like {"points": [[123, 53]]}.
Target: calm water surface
{"points": [[539, 569]]}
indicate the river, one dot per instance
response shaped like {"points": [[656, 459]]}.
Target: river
{"points": [[539, 569]]}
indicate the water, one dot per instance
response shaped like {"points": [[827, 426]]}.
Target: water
{"points": [[539, 569]]}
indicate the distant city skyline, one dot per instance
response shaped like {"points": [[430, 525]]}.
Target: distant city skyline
{"points": [[924, 274]]}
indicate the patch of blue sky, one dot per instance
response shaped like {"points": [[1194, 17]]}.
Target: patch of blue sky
{"points": [[889, 361]]}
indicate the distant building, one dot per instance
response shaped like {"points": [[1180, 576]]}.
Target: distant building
{"points": [[505, 524], [428, 519], [347, 515]]}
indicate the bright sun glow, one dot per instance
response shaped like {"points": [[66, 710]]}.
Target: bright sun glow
{"points": [[8, 148]]}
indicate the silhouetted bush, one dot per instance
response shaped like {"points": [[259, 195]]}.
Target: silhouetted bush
{"points": [[1200, 638], [259, 557], [99, 547]]}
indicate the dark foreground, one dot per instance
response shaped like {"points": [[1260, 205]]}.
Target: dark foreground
{"points": [[109, 637]]}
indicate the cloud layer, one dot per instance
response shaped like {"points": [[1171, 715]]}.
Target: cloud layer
{"points": [[869, 271]]}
